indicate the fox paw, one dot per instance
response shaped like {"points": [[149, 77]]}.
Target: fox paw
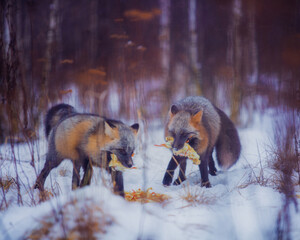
{"points": [[178, 181], [167, 180], [206, 184], [213, 172]]}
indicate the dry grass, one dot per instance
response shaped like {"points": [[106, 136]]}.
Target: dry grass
{"points": [[285, 160], [46, 195], [44, 231], [73, 220], [49, 193], [197, 196], [7, 183], [257, 176], [261, 175], [146, 196]]}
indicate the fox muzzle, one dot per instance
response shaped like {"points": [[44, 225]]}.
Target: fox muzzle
{"points": [[126, 160], [178, 143]]}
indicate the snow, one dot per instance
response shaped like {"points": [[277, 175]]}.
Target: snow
{"points": [[233, 208]]}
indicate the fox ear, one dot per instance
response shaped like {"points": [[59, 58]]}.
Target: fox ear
{"points": [[135, 127], [110, 123], [108, 128], [174, 109], [197, 118]]}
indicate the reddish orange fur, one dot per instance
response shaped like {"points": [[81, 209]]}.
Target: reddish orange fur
{"points": [[67, 143], [97, 141], [196, 122]]}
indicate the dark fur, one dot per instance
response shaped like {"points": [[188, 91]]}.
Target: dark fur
{"points": [[56, 114], [228, 139], [218, 130]]}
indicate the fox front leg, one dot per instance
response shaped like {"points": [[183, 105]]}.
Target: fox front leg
{"points": [[174, 162], [118, 185], [170, 172], [182, 168]]}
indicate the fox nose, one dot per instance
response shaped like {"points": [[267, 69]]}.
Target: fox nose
{"points": [[175, 149], [177, 146], [130, 163]]}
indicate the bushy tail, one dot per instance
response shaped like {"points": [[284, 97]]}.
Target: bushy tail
{"points": [[228, 145], [56, 114]]}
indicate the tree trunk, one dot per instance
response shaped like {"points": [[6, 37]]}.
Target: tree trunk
{"points": [[236, 61], [194, 87]]}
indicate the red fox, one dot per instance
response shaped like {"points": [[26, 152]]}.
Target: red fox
{"points": [[86, 139], [204, 126]]}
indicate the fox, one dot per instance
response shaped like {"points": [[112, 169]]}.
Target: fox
{"points": [[87, 140], [204, 127]]}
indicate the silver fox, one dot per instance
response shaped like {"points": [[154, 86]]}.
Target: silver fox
{"points": [[204, 126], [86, 139]]}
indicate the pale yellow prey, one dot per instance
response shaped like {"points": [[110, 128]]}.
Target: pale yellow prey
{"points": [[115, 164], [186, 151]]}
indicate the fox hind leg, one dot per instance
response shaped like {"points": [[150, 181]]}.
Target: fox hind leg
{"points": [[211, 165], [51, 162], [88, 173], [76, 174], [203, 167]]}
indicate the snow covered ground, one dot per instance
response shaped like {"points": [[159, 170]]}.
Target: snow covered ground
{"points": [[234, 208]]}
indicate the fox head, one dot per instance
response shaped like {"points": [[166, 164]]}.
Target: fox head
{"points": [[123, 140], [183, 126]]}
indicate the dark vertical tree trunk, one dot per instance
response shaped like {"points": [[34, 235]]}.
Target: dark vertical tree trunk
{"points": [[237, 60], [93, 32], [11, 69], [2, 71], [179, 49], [165, 53], [194, 87], [250, 62], [49, 50], [200, 45]]}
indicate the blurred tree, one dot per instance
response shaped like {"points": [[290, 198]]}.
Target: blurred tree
{"points": [[122, 57], [235, 35]]}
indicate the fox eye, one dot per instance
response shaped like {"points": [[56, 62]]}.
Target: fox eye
{"points": [[188, 139]]}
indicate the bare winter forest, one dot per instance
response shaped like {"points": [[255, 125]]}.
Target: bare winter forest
{"points": [[130, 59]]}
